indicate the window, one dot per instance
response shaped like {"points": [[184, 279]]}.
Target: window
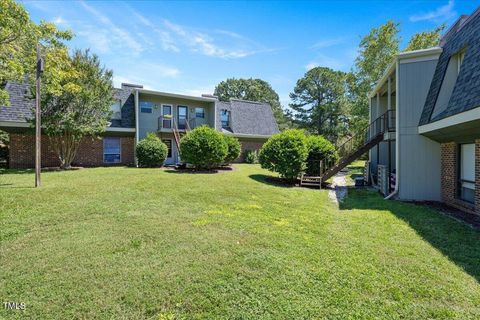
{"points": [[467, 172], [146, 107], [166, 116], [225, 118], [199, 112], [169, 146], [116, 109], [111, 150], [182, 115]]}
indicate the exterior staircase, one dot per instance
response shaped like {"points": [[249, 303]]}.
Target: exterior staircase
{"points": [[352, 149]]}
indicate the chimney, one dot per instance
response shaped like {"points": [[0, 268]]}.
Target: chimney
{"points": [[129, 85], [206, 95]]}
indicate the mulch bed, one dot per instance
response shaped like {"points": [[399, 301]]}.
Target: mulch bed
{"points": [[182, 169], [468, 218], [48, 169]]}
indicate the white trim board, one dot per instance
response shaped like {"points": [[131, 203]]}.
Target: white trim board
{"points": [[14, 124], [119, 129], [466, 116]]}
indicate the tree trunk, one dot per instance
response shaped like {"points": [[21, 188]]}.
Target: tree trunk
{"points": [[65, 146]]}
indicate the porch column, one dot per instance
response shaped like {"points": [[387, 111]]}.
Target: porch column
{"points": [[389, 90]]}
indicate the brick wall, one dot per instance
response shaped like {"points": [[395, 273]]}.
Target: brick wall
{"points": [[248, 145], [90, 152], [449, 171], [449, 154]]}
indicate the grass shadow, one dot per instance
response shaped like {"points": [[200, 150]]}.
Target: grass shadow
{"points": [[272, 181], [4, 171], [188, 171], [454, 239]]}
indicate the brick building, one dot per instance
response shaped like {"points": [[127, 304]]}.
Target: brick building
{"points": [[136, 113]]}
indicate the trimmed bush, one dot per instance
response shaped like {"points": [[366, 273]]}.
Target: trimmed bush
{"points": [[203, 148], [151, 151], [319, 148], [234, 148], [285, 153], [251, 156]]}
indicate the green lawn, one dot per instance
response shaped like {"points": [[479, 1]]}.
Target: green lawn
{"points": [[127, 243]]}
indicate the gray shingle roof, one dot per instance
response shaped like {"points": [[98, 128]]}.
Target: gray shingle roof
{"points": [[466, 93], [21, 105], [248, 117]]}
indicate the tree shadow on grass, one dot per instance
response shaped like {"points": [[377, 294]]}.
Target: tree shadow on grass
{"points": [[4, 171], [272, 181], [456, 240]]}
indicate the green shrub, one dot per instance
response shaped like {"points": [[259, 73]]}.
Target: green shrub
{"points": [[251, 156], [234, 148], [285, 153], [319, 148], [204, 148], [151, 151]]}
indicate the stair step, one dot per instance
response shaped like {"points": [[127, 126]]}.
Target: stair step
{"points": [[310, 184]]}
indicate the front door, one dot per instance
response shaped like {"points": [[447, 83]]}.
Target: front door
{"points": [[182, 116]]}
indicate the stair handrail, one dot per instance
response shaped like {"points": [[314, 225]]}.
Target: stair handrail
{"points": [[381, 125]]}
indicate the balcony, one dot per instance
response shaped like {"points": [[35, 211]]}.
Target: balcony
{"points": [[168, 123]]}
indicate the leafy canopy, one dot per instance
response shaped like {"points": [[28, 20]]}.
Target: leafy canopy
{"points": [[77, 94], [19, 36], [319, 101]]}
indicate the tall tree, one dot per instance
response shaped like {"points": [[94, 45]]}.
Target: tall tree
{"points": [[76, 101], [426, 39], [18, 38], [318, 100], [254, 90]]}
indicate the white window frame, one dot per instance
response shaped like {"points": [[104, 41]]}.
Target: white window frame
{"points": [[229, 113], [466, 180], [120, 150], [171, 114]]}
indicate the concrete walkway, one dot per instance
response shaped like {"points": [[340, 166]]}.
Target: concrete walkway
{"points": [[339, 189]]}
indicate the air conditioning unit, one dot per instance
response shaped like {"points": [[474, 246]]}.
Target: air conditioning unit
{"points": [[383, 179]]}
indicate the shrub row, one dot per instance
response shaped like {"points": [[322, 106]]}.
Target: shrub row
{"points": [[291, 152], [203, 148]]}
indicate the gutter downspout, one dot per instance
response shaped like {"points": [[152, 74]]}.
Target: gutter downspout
{"points": [[397, 135]]}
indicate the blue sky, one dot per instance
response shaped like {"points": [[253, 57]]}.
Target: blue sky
{"points": [[188, 47]]}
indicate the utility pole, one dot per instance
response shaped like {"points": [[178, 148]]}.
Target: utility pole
{"points": [[38, 124]]}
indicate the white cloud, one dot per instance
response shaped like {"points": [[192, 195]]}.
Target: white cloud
{"points": [[235, 46], [311, 65], [166, 41], [328, 43], [330, 62], [441, 14], [116, 36], [60, 21]]}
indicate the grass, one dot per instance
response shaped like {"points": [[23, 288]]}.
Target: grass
{"points": [[355, 169], [126, 243]]}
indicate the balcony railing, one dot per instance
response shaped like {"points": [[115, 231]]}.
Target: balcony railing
{"points": [[166, 123]]}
